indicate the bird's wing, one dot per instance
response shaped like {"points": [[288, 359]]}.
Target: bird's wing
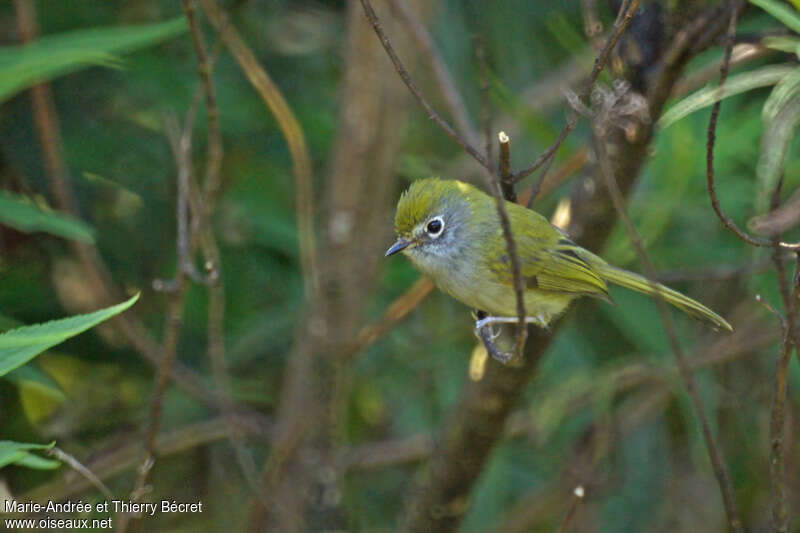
{"points": [[549, 260]]}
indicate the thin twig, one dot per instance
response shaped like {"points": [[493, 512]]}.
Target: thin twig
{"points": [[205, 67], [711, 140], [547, 182], [180, 142], [397, 311], [430, 53], [777, 462], [538, 186], [203, 212], [403, 73], [577, 498], [504, 168], [494, 183], [172, 328], [76, 465], [715, 454], [626, 12], [113, 460], [507, 186], [292, 132], [789, 328]]}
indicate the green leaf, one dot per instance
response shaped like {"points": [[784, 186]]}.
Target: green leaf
{"points": [[30, 460], [748, 81], [784, 91], [779, 128], [784, 43], [21, 214], [18, 453], [781, 12], [56, 55], [20, 345]]}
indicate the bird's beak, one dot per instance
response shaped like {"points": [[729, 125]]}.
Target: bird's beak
{"points": [[398, 246]]}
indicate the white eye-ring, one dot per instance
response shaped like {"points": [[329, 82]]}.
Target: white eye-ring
{"points": [[435, 227]]}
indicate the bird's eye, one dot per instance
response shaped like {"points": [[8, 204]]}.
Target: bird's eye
{"points": [[435, 227]]}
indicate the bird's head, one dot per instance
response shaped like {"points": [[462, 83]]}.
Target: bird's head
{"points": [[433, 220]]}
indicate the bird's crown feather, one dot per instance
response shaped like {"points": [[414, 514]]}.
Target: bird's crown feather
{"points": [[423, 199]]}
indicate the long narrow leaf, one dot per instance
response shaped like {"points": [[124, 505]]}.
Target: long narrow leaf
{"points": [[779, 130], [748, 81], [55, 55], [19, 453], [781, 12], [19, 213], [20, 345]]}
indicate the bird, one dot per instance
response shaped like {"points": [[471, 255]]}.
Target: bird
{"points": [[451, 231]]}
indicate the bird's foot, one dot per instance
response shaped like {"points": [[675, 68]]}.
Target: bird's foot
{"points": [[485, 332], [488, 334], [540, 320]]}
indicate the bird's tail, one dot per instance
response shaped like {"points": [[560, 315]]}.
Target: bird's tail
{"points": [[641, 284]]}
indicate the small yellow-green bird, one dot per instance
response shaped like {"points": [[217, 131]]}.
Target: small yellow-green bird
{"points": [[451, 231]]}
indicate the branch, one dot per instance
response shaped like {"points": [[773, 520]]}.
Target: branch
{"points": [[789, 327], [507, 186], [714, 452], [182, 150], [578, 495], [114, 460], [430, 54], [777, 424], [400, 308], [292, 132], [403, 73], [712, 128], [626, 12], [205, 67]]}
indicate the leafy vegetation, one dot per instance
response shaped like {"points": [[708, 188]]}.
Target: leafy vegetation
{"points": [[606, 408]]}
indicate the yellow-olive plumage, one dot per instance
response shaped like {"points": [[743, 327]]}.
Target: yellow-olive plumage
{"points": [[451, 231]]}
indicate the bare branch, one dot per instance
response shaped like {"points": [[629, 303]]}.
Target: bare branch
{"points": [[430, 54], [577, 498], [172, 328], [400, 308], [714, 452], [113, 460], [205, 67], [76, 465], [504, 168], [626, 12], [403, 73], [292, 132], [712, 136], [507, 186]]}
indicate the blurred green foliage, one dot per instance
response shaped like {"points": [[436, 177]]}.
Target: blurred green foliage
{"points": [[654, 474]]}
